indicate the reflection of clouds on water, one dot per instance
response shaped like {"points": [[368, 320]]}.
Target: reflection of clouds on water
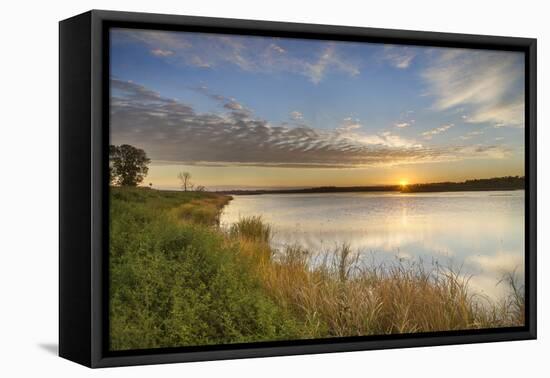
{"points": [[501, 263], [480, 232], [490, 285], [491, 270]]}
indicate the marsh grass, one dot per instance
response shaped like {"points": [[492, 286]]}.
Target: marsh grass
{"points": [[336, 294], [514, 303], [251, 228], [177, 278], [205, 210]]}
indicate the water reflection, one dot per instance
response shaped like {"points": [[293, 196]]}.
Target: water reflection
{"points": [[482, 233]]}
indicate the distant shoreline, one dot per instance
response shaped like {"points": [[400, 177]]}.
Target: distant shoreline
{"points": [[493, 184]]}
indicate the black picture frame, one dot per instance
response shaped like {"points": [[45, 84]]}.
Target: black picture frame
{"points": [[83, 181]]}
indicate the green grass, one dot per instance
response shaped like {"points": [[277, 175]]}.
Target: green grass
{"points": [[177, 279]]}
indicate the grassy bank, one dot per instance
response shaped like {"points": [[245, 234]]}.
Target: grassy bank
{"points": [[176, 279]]}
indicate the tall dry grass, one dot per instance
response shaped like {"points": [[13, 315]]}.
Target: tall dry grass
{"points": [[204, 210], [339, 296]]}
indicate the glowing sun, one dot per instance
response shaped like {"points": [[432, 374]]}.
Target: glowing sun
{"points": [[403, 182]]}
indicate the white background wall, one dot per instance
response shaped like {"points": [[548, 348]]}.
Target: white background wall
{"points": [[28, 172]]}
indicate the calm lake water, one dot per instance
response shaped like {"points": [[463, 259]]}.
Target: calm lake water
{"points": [[482, 233]]}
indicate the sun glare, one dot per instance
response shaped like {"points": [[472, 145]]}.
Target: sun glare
{"points": [[403, 182]]}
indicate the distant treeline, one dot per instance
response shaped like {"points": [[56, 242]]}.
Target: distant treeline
{"points": [[320, 189], [497, 183]]}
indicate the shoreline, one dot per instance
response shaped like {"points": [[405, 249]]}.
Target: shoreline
{"points": [[507, 183], [257, 193]]}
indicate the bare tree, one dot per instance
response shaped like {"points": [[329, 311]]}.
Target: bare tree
{"points": [[200, 188], [185, 178]]}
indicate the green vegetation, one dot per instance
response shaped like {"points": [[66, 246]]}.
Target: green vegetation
{"points": [[177, 279], [127, 165]]}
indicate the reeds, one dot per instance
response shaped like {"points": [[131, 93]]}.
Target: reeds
{"points": [[338, 295], [251, 228]]}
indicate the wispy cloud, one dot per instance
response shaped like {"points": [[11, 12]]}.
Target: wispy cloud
{"points": [[296, 115], [160, 52], [488, 85], [277, 48], [250, 54], [349, 124], [402, 125], [438, 130], [157, 41], [172, 131], [471, 134], [507, 113], [399, 56], [329, 59]]}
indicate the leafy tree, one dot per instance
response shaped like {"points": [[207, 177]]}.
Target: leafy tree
{"points": [[127, 165]]}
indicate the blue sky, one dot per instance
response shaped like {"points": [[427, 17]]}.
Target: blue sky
{"points": [[257, 111]]}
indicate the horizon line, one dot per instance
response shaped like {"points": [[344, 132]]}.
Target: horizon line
{"points": [[226, 188]]}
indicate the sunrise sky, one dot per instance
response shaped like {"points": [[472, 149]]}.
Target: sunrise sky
{"points": [[257, 112]]}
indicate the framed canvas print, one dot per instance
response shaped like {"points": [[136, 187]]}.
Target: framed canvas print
{"points": [[233, 188]]}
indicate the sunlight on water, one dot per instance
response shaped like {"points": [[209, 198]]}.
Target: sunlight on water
{"points": [[481, 233]]}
